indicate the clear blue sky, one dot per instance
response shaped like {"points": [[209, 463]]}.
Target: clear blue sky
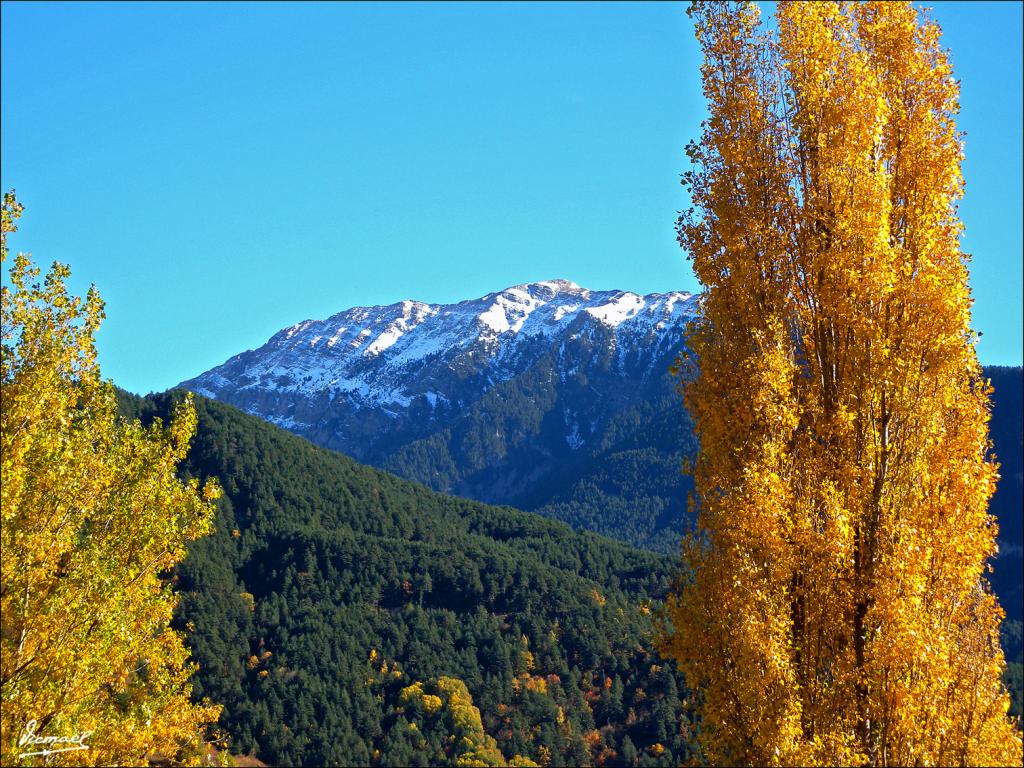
{"points": [[223, 170]]}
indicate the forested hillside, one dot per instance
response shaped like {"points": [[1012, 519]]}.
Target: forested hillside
{"points": [[335, 604], [337, 611], [545, 396], [624, 480]]}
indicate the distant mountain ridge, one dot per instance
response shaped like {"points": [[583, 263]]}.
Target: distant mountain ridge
{"points": [[507, 399], [410, 357]]}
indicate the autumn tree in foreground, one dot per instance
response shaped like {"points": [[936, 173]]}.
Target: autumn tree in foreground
{"points": [[93, 519], [836, 609]]}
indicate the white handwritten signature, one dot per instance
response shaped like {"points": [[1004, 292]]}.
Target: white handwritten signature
{"points": [[29, 736]]}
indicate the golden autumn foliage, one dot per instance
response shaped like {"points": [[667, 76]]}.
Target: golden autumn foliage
{"points": [[835, 609], [446, 705], [93, 518], [471, 746]]}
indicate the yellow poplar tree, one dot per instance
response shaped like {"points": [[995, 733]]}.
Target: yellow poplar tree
{"points": [[834, 608], [93, 519]]}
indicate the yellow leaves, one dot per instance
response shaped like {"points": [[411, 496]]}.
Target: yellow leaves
{"points": [[12, 211], [519, 761], [842, 483], [93, 513], [526, 662], [536, 684], [431, 704], [411, 693], [450, 702]]}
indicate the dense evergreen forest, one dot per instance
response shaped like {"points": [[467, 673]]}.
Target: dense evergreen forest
{"points": [[342, 615]]}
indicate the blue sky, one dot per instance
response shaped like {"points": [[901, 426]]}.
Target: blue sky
{"points": [[221, 171]]}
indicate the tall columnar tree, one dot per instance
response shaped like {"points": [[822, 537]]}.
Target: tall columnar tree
{"points": [[835, 608], [94, 518]]}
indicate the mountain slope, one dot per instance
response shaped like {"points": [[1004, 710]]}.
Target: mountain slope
{"points": [[510, 399], [330, 590]]}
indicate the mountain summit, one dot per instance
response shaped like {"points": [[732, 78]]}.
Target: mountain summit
{"points": [[412, 357], [389, 357], [500, 398]]}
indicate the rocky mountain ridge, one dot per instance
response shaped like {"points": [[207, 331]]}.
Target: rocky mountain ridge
{"points": [[369, 379]]}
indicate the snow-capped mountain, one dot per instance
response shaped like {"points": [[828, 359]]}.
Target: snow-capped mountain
{"points": [[518, 397], [353, 380]]}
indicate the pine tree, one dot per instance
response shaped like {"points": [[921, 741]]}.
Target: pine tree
{"points": [[628, 752], [93, 519], [835, 608]]}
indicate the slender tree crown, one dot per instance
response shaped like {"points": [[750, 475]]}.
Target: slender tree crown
{"points": [[93, 519], [835, 608]]}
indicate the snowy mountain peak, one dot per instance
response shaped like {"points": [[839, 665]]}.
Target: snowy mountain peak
{"points": [[390, 357], [559, 284], [549, 288]]}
